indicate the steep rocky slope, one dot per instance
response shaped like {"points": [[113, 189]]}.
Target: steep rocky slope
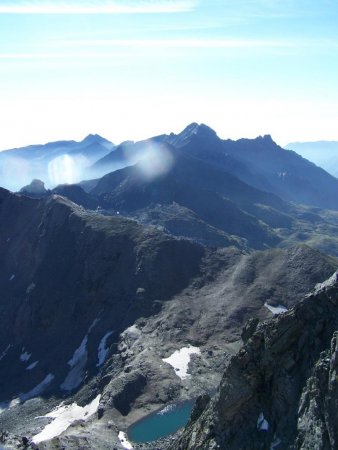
{"points": [[91, 305], [63, 270], [280, 390]]}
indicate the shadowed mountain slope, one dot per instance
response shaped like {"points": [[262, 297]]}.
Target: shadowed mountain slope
{"points": [[62, 268], [262, 163], [202, 200], [259, 162]]}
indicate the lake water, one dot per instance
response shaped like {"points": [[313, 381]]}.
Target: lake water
{"points": [[161, 424]]}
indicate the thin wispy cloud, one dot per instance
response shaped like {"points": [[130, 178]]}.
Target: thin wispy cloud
{"points": [[51, 56], [225, 43], [97, 7], [176, 43]]}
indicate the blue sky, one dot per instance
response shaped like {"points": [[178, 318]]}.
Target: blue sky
{"points": [[132, 69]]}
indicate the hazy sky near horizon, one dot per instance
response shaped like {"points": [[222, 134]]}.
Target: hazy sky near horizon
{"points": [[132, 69]]}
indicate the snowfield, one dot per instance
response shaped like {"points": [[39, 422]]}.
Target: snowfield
{"points": [[64, 416], [180, 360], [124, 441], [280, 309]]}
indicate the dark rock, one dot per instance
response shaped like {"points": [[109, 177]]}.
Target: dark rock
{"points": [[35, 189], [249, 329], [293, 388], [200, 405]]}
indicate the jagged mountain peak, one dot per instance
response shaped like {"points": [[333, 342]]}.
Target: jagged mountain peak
{"points": [[265, 140], [192, 131], [95, 139], [197, 129]]}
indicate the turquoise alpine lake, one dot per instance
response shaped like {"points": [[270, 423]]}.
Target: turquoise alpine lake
{"points": [[162, 423]]}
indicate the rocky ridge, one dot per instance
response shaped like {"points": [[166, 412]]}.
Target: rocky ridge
{"points": [[280, 390]]}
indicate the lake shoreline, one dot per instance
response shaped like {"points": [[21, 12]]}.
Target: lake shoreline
{"points": [[173, 418]]}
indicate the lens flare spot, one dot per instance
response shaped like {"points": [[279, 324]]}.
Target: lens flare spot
{"points": [[156, 160], [62, 170], [66, 169]]}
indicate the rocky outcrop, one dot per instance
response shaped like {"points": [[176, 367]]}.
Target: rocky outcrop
{"points": [[35, 189], [280, 390]]}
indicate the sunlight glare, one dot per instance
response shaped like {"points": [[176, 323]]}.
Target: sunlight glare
{"points": [[66, 169], [156, 160]]}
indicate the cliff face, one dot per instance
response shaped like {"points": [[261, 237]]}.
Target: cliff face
{"points": [[67, 274], [280, 390]]}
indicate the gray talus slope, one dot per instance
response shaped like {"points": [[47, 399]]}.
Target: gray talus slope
{"points": [[280, 390]]}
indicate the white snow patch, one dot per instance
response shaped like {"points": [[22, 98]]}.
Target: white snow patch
{"points": [[14, 402], [327, 283], [4, 353], [37, 390], [124, 441], [92, 325], [180, 359], [77, 364], [63, 417], [79, 353], [262, 424], [280, 309], [30, 288], [103, 350], [166, 410], [12, 277], [25, 356], [31, 366]]}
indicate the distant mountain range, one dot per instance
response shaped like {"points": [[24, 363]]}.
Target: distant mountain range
{"points": [[259, 162], [323, 153], [246, 193], [54, 163]]}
